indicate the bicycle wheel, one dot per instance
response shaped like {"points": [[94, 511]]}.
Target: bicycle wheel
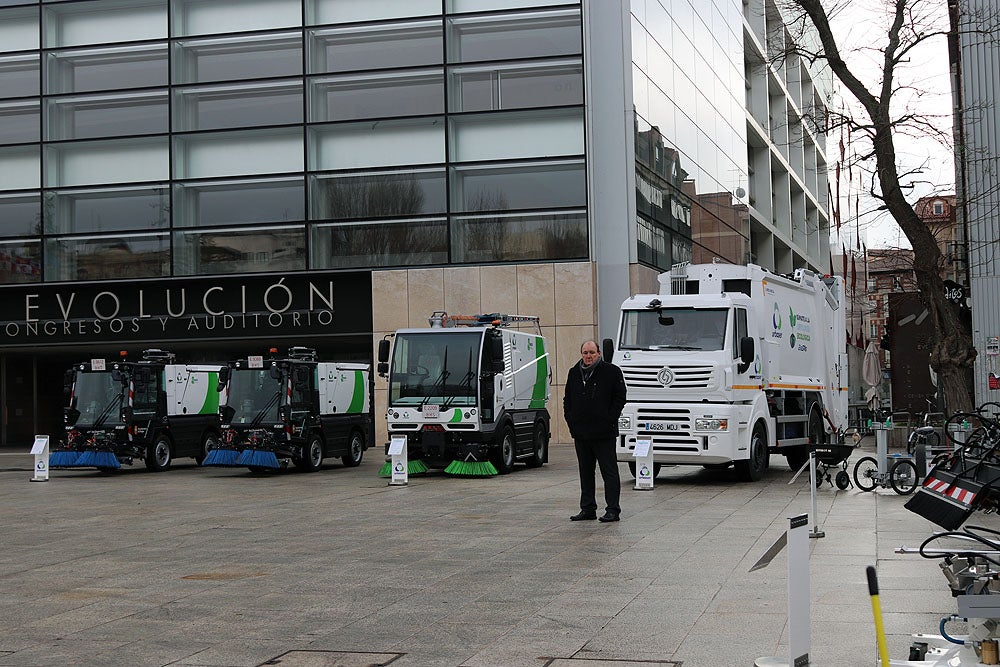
{"points": [[964, 423], [866, 473], [990, 410], [903, 477]]}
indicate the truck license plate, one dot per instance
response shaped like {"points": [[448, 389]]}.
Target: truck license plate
{"points": [[431, 411], [655, 427]]}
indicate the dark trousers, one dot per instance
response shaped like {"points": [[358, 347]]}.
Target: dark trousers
{"points": [[602, 452]]}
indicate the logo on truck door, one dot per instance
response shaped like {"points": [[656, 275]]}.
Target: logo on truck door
{"points": [[665, 376]]}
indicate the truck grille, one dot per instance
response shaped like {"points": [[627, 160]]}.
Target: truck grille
{"points": [[685, 377], [669, 429]]}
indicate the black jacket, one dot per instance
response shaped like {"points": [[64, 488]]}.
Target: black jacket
{"points": [[592, 409]]}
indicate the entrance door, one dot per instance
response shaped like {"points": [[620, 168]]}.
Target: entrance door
{"points": [[17, 382]]}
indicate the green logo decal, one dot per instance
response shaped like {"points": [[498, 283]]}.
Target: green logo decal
{"points": [[776, 318], [791, 317]]}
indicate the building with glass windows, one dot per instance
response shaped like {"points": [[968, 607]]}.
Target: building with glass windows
{"points": [[216, 177]]}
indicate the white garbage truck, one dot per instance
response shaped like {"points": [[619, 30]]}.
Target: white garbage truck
{"points": [[729, 364], [470, 392]]}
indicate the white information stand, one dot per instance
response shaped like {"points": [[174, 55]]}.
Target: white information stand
{"points": [[643, 454], [400, 471], [41, 451], [799, 633]]}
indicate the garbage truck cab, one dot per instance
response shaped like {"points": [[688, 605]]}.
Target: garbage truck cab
{"points": [[729, 364], [470, 390]]}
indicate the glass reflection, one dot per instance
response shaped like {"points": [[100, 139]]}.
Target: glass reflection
{"points": [[107, 257], [20, 215], [237, 202], [377, 194], [240, 250], [389, 243], [519, 237], [93, 210], [20, 262], [518, 186]]}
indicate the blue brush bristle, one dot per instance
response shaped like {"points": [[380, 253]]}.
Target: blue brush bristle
{"points": [[63, 459], [97, 459], [86, 458], [221, 457], [258, 459]]}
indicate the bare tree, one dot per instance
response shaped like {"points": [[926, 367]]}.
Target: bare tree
{"points": [[883, 118]]}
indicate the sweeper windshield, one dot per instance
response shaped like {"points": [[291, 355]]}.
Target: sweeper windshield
{"points": [[253, 395], [674, 329], [440, 367], [97, 396]]}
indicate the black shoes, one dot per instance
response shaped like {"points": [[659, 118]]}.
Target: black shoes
{"points": [[610, 516], [584, 516]]}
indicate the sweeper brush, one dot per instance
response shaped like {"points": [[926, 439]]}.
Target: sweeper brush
{"points": [[97, 459], [221, 457], [471, 469], [258, 458], [63, 459], [414, 467]]}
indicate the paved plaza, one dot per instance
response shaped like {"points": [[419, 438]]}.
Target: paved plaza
{"points": [[219, 567]]}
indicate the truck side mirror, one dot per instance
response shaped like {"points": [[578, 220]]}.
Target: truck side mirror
{"points": [[383, 353], [116, 375], [607, 349], [70, 416], [496, 355], [227, 412], [383, 368], [126, 414], [223, 378], [746, 353], [275, 372]]}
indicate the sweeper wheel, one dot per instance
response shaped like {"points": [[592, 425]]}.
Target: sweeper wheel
{"points": [[356, 451], [158, 454], [540, 442], [503, 455], [311, 458]]}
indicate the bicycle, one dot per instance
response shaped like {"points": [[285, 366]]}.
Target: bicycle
{"points": [[901, 475]]}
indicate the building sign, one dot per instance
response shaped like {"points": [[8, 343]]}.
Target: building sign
{"points": [[246, 306]]}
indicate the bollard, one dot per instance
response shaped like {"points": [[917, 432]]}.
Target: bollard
{"points": [[799, 631], [398, 452], [41, 451], [643, 454]]}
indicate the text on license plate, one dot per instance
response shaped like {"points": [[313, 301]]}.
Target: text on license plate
{"points": [[655, 427]]}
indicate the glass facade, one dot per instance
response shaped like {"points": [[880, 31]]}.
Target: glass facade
{"points": [[144, 138], [690, 131]]}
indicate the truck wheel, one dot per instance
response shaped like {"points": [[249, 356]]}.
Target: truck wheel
{"points": [[541, 446], [158, 454], [356, 452], [208, 443], [752, 469], [503, 457], [311, 457]]}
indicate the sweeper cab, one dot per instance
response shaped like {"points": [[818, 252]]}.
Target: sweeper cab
{"points": [[151, 409], [729, 364], [293, 409], [470, 392]]}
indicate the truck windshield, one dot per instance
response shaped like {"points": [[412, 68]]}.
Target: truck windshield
{"points": [[439, 367], [674, 329], [251, 390], [96, 396]]}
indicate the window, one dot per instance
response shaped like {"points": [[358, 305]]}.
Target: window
{"points": [[244, 153], [107, 257], [103, 69], [107, 210], [518, 186], [239, 250], [519, 237], [19, 122], [202, 17], [20, 215], [739, 331], [18, 29], [19, 168], [19, 76], [106, 115], [378, 144], [939, 208], [232, 58], [539, 133], [459, 6], [389, 243], [20, 262], [204, 204], [108, 161], [375, 47], [376, 95], [506, 36], [81, 23], [347, 11], [377, 194], [239, 105], [480, 88]]}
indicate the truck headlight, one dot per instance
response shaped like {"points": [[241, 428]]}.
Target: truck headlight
{"points": [[625, 423], [711, 424]]}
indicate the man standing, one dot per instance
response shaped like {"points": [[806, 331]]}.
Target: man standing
{"points": [[592, 402]]}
